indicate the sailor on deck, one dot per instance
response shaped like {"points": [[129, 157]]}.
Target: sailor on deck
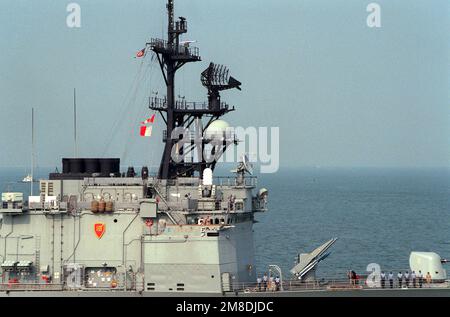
{"points": [[271, 284], [428, 278], [413, 277], [277, 283], [391, 279], [420, 279], [400, 278], [265, 280], [383, 279], [258, 281], [407, 279]]}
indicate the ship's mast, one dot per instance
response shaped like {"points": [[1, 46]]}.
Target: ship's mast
{"points": [[170, 75], [170, 60], [32, 151], [171, 57], [75, 144]]}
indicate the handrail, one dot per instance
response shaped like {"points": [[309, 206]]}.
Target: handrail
{"points": [[168, 212], [30, 286], [161, 103], [179, 50], [336, 284]]}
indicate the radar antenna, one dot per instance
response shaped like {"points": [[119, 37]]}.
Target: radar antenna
{"points": [[216, 78], [172, 54], [244, 166]]}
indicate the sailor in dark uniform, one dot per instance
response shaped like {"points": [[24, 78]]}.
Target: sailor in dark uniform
{"points": [[413, 277]]}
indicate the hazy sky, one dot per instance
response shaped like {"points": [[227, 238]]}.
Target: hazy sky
{"points": [[343, 94]]}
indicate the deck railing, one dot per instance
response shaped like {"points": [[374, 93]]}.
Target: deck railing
{"points": [[30, 287], [161, 104], [335, 284], [160, 45]]}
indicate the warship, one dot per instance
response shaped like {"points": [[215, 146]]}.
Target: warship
{"points": [[95, 230], [182, 230]]}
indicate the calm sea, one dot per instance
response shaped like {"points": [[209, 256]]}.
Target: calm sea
{"points": [[379, 216]]}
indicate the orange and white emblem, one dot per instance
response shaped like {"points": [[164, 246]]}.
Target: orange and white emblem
{"points": [[99, 229]]}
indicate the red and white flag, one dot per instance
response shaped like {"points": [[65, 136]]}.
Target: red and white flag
{"points": [[141, 53], [146, 131], [149, 120]]}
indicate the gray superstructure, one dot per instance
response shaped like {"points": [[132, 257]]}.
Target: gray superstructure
{"points": [[143, 245]]}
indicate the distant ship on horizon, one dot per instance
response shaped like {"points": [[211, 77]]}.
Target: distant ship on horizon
{"points": [[27, 179]]}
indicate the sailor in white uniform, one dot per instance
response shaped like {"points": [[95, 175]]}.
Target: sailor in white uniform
{"points": [[265, 280], [400, 278], [391, 279], [407, 279], [277, 283], [383, 279], [258, 281]]}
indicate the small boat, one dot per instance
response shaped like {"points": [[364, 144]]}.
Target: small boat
{"points": [[27, 179]]}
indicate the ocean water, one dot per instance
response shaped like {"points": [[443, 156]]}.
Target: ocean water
{"points": [[379, 216]]}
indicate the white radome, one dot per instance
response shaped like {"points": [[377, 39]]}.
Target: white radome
{"points": [[217, 128], [428, 262]]}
